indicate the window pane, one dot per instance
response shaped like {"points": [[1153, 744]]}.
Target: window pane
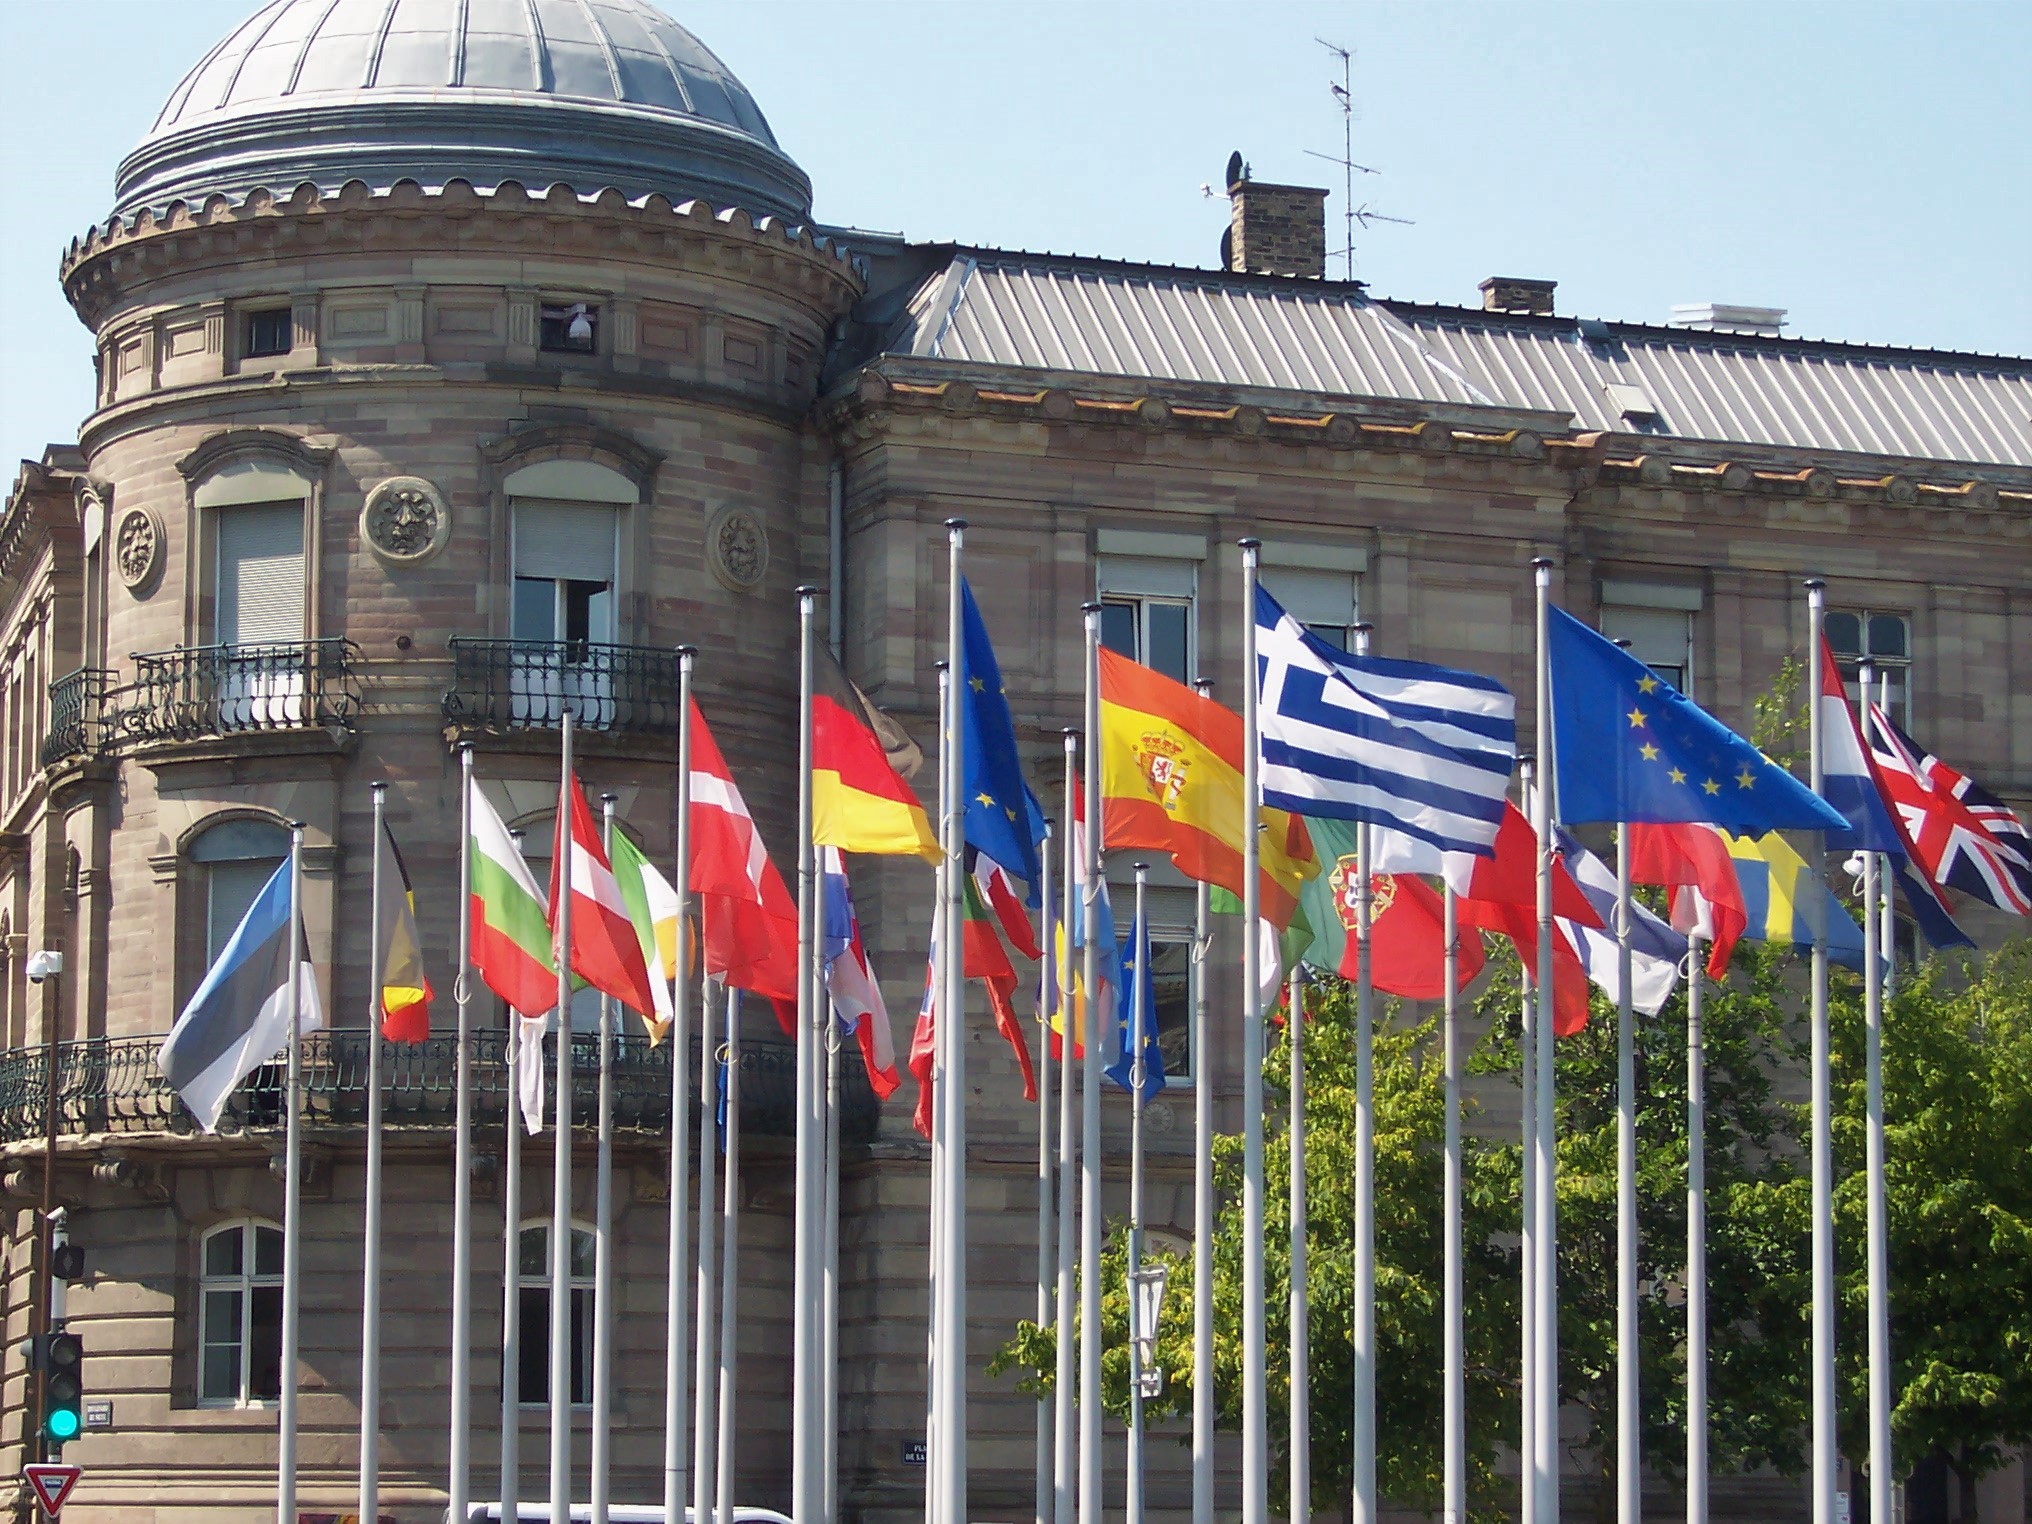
{"points": [[534, 1348], [222, 1252], [1118, 628], [1335, 635], [219, 1372], [1168, 653], [1888, 637], [535, 612], [268, 1251], [229, 889], [1844, 632], [1171, 985], [583, 1251], [582, 1346], [536, 1251], [264, 1343]]}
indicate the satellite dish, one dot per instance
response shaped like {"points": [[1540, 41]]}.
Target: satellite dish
{"points": [[1237, 170]]}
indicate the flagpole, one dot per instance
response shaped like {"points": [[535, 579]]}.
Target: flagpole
{"points": [[1887, 941], [1696, 1239], [1063, 1478], [1090, 1096], [1453, 1399], [705, 1450], [1300, 1278], [1362, 1421], [370, 1289], [511, 1218], [1202, 1206], [676, 1334], [724, 1475], [1255, 1373], [459, 1485], [804, 1506], [934, 1337], [292, 1193], [603, 1236], [1629, 1461], [1527, 1065], [1546, 1352], [829, 1328], [1137, 1074], [561, 1154], [1826, 1454], [1878, 1257], [1046, 1246], [951, 1036]]}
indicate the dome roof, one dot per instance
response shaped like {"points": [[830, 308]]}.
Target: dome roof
{"points": [[593, 93]]}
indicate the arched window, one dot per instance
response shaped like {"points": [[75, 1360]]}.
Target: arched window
{"points": [[533, 1286], [235, 859], [240, 1314]]}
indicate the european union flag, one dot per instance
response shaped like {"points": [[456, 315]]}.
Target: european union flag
{"points": [[1627, 747], [1138, 1028], [1003, 819]]}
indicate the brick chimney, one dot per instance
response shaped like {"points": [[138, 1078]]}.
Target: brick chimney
{"points": [[1276, 229], [1516, 293]]}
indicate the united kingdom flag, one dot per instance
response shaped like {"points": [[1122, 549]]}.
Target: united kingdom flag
{"points": [[1963, 836]]}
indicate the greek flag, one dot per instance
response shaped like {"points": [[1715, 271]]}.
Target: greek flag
{"points": [[1423, 753]]}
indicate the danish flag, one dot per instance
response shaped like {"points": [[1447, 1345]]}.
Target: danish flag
{"points": [[1963, 836]]}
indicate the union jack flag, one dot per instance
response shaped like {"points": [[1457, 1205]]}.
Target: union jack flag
{"points": [[1963, 836]]}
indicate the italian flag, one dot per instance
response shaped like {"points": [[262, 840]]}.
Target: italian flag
{"points": [[511, 928]]}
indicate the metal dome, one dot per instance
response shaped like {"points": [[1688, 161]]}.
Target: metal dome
{"points": [[592, 93]]}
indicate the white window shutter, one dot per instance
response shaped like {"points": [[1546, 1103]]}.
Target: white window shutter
{"points": [[566, 541], [260, 590]]}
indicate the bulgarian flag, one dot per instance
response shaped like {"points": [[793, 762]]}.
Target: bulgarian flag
{"points": [[604, 950], [653, 912], [510, 926]]}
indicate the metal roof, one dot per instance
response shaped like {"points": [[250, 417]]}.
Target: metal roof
{"points": [[1049, 313]]}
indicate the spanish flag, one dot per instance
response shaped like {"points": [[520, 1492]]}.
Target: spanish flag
{"points": [[859, 802], [405, 992], [1171, 781]]}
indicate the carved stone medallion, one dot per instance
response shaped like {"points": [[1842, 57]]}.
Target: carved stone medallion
{"points": [[737, 549], [137, 548], [405, 520]]}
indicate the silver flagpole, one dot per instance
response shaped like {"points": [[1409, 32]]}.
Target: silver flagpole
{"points": [[1362, 1422], [1629, 1461], [829, 1330], [725, 1477], [1826, 1450], [459, 1488], [804, 1396], [1527, 1064], [561, 1157], [1887, 941], [1878, 1256], [511, 1237], [603, 1238], [1064, 1482], [934, 1454], [1137, 1075], [1696, 1240], [677, 1336], [292, 1193], [1300, 1310], [1255, 1371], [1090, 1095], [705, 1449], [370, 1289], [952, 1040], [1202, 1206], [1454, 1397], [1046, 1246], [1546, 1436]]}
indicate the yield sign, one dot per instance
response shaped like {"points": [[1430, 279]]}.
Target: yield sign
{"points": [[52, 1483]]}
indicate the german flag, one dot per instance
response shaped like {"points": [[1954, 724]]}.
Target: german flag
{"points": [[859, 802], [1171, 781]]}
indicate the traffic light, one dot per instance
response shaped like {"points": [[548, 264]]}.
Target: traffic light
{"points": [[61, 1359]]}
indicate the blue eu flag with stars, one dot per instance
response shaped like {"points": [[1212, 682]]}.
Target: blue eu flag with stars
{"points": [[1003, 819], [1627, 747]]}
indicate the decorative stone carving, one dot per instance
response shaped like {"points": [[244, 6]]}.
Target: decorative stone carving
{"points": [[405, 521], [137, 548], [737, 549]]}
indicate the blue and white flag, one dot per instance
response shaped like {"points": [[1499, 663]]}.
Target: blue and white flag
{"points": [[239, 1018], [1423, 753], [1137, 1021]]}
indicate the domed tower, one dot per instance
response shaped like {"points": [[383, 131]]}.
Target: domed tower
{"points": [[454, 364]]}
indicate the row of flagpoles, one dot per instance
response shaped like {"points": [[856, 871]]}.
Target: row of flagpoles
{"points": [[1407, 764]]}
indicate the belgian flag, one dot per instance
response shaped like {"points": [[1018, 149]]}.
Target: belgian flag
{"points": [[405, 992], [859, 801]]}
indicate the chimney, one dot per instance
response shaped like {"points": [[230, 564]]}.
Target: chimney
{"points": [[1720, 317], [1274, 229], [1517, 293]]}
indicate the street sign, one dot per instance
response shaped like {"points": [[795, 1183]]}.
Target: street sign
{"points": [[913, 1452], [52, 1484], [99, 1413]]}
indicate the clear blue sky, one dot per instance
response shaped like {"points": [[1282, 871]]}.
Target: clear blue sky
{"points": [[1866, 166]]}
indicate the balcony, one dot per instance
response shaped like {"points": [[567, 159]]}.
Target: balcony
{"points": [[214, 692], [77, 710], [504, 686], [110, 1085]]}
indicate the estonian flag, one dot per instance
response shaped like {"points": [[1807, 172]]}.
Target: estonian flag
{"points": [[239, 1018]]}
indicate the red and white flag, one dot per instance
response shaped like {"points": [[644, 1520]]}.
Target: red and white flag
{"points": [[749, 918], [605, 951]]}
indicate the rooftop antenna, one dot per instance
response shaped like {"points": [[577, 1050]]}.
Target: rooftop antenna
{"points": [[1344, 98]]}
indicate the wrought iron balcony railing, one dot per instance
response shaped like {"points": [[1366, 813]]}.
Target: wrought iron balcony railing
{"points": [[77, 707], [202, 692], [111, 1085], [509, 685]]}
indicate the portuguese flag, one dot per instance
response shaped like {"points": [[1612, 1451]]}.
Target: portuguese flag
{"points": [[1407, 922], [859, 802], [511, 929]]}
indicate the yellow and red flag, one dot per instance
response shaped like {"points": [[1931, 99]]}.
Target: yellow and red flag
{"points": [[405, 992], [859, 802], [1171, 781]]}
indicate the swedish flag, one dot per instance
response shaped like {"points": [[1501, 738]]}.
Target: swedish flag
{"points": [[1786, 902]]}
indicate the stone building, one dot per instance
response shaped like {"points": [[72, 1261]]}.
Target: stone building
{"points": [[453, 370]]}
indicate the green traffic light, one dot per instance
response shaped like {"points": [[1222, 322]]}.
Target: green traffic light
{"points": [[61, 1425]]}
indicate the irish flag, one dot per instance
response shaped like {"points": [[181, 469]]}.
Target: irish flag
{"points": [[511, 929], [653, 911]]}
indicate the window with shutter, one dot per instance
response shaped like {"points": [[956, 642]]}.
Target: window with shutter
{"points": [[564, 572], [260, 583]]}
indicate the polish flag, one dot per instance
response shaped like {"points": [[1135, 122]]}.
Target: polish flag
{"points": [[605, 951]]}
